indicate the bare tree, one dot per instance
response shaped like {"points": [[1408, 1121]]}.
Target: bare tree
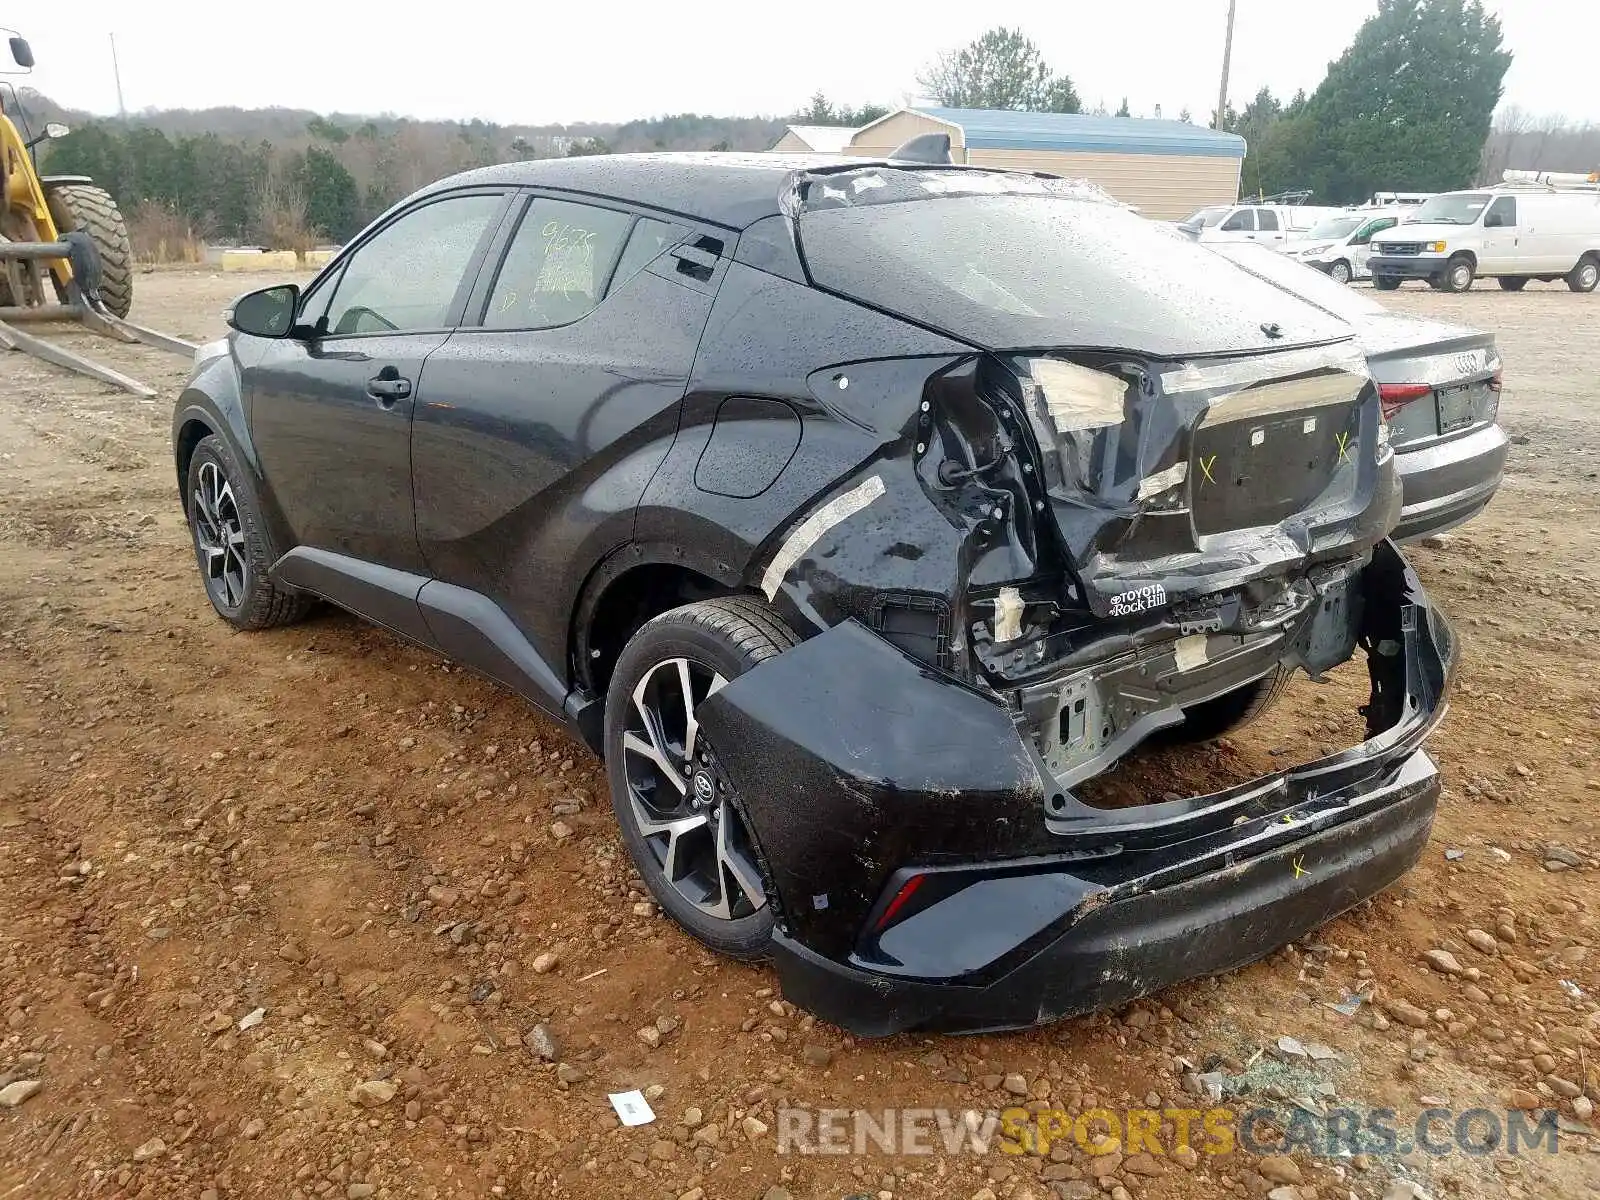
{"points": [[1524, 141], [280, 212]]}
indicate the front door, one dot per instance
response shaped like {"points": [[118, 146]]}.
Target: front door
{"points": [[330, 412], [1360, 248], [1501, 249]]}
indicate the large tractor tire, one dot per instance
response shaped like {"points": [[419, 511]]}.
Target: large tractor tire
{"points": [[91, 209]]}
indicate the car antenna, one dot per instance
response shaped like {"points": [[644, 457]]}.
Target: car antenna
{"points": [[933, 148]]}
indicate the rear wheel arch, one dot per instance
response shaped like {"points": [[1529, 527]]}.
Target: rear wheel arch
{"points": [[628, 589]]}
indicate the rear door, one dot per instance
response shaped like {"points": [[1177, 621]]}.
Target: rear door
{"points": [[548, 411], [1269, 228], [330, 414]]}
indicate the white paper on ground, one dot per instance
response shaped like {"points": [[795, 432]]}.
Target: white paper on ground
{"points": [[632, 1108]]}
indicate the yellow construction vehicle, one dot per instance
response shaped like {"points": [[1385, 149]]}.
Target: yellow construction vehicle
{"points": [[64, 252]]}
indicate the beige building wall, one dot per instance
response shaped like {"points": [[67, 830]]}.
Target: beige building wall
{"points": [[1163, 187], [877, 139], [790, 141]]}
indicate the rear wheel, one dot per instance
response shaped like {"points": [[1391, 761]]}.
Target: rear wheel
{"points": [[680, 818], [1457, 275], [1584, 276], [82, 206], [1211, 719], [1340, 272], [1386, 283], [1513, 283]]}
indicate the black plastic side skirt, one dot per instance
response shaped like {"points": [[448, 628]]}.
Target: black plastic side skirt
{"points": [[383, 595], [465, 626], [471, 629]]}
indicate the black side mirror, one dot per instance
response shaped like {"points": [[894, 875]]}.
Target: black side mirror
{"points": [[268, 313], [22, 53]]}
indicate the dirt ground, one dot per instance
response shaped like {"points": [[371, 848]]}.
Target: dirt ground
{"points": [[386, 855]]}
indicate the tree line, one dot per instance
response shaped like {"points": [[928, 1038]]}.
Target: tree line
{"points": [[322, 177]]}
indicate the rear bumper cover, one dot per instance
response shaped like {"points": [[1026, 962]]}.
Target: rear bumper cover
{"points": [[859, 768], [1449, 482]]}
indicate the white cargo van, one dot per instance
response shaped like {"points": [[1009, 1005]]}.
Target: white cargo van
{"points": [[1513, 232], [1269, 224]]}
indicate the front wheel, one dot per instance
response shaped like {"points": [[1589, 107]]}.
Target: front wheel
{"points": [[91, 209], [680, 817], [1340, 272], [1386, 283], [1584, 276], [232, 544], [1457, 275]]}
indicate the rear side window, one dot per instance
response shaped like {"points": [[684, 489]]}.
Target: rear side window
{"points": [[1244, 219], [1267, 218], [646, 244], [557, 266]]}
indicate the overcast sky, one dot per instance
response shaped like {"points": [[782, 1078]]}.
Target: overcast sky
{"points": [[606, 60]]}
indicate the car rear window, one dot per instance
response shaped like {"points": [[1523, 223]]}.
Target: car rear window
{"points": [[1022, 263]]}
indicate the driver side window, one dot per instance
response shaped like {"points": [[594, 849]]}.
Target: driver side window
{"points": [[1244, 219], [406, 276], [1371, 227], [1502, 213]]}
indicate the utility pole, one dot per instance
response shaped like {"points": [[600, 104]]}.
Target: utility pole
{"points": [[1227, 58], [116, 72]]}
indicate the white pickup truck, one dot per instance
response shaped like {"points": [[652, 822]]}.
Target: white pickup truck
{"points": [[1269, 224]]}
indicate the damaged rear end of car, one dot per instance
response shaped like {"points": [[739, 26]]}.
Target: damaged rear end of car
{"points": [[1145, 490]]}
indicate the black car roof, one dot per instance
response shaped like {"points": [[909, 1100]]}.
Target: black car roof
{"points": [[729, 189]]}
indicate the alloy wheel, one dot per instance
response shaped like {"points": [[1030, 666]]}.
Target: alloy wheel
{"points": [[681, 803], [1587, 276], [1340, 273], [219, 537]]}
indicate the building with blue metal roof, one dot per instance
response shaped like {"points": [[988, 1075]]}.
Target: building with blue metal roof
{"points": [[1165, 169]]}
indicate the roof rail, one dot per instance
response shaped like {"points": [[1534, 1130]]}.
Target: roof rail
{"points": [[1553, 181], [1298, 196]]}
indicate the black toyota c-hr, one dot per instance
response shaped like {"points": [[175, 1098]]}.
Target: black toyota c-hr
{"points": [[856, 512]]}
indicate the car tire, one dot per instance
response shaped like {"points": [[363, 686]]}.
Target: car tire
{"points": [[684, 826], [1513, 283], [1211, 719], [1457, 275], [1386, 283], [1339, 272], [232, 545], [1584, 276]]}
